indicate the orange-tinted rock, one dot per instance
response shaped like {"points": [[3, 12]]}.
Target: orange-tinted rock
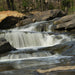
{"points": [[8, 19]]}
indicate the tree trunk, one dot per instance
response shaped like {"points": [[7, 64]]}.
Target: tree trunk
{"points": [[8, 4], [12, 4]]}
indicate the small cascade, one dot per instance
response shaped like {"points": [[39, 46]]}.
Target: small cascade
{"points": [[25, 55], [37, 26], [22, 39], [32, 42]]}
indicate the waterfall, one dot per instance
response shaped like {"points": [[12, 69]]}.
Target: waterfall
{"points": [[26, 38], [25, 55], [32, 42], [22, 39], [37, 26]]}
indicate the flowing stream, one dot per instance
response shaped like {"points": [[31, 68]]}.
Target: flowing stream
{"points": [[31, 38]]}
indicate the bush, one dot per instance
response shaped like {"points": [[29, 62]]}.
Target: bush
{"points": [[25, 3], [51, 6], [65, 3], [1, 9]]}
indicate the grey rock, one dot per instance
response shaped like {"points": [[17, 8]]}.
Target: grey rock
{"points": [[65, 23], [41, 16], [5, 46]]}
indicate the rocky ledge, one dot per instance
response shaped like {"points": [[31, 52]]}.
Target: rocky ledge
{"points": [[41, 16], [8, 19], [65, 23]]}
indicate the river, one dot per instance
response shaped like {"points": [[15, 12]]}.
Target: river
{"points": [[30, 38]]}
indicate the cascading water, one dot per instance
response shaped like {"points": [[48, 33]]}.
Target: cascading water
{"points": [[25, 37], [21, 39], [27, 41]]}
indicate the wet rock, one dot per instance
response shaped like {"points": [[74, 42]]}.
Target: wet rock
{"points": [[5, 46], [67, 48], [6, 68], [8, 19], [62, 70], [65, 23]]}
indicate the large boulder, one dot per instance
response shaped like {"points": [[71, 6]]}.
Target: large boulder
{"points": [[25, 22], [41, 16], [5, 46], [65, 23], [48, 15], [8, 19]]}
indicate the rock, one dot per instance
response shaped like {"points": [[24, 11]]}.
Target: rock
{"points": [[64, 70], [41, 16], [8, 19], [25, 22], [65, 23], [5, 46], [48, 15]]}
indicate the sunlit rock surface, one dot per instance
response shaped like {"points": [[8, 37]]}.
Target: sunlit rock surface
{"points": [[8, 19], [65, 23]]}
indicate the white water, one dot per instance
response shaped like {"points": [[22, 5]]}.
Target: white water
{"points": [[29, 27], [22, 40], [38, 58], [35, 61]]}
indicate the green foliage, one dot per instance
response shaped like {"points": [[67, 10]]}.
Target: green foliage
{"points": [[51, 6], [25, 3], [71, 10], [38, 5], [1, 9], [67, 4]]}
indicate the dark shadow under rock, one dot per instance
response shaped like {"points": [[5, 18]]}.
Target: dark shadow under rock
{"points": [[5, 46], [9, 22]]}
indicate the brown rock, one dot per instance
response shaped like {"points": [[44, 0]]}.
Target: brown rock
{"points": [[5, 14], [8, 19], [66, 22], [25, 22], [48, 15], [41, 16], [61, 69]]}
